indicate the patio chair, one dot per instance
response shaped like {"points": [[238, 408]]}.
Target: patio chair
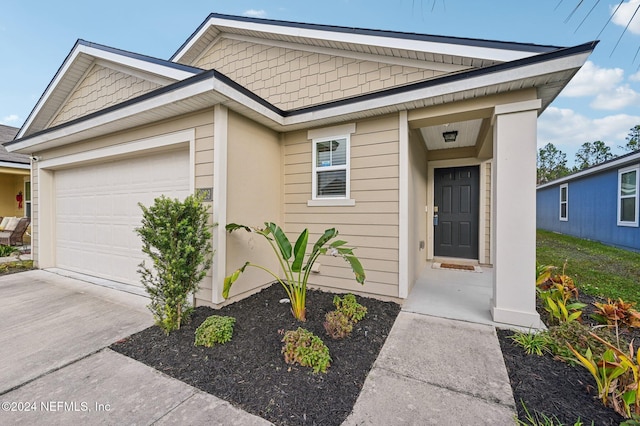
{"points": [[14, 237]]}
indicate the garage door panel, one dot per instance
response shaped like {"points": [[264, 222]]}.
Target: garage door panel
{"points": [[97, 211]]}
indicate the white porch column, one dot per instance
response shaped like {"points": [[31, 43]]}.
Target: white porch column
{"points": [[514, 207]]}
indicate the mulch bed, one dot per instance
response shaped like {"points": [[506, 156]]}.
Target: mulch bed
{"points": [[555, 388], [250, 372]]}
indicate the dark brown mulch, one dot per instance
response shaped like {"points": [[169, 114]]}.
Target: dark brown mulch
{"points": [[250, 372], [555, 388]]}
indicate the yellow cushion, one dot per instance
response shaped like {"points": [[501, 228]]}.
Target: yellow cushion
{"points": [[4, 222]]}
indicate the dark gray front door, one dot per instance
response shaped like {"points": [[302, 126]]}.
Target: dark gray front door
{"points": [[456, 207]]}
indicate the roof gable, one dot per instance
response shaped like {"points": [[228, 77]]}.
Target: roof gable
{"points": [[292, 78], [81, 60], [437, 49]]}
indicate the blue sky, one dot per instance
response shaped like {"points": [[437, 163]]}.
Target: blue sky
{"points": [[602, 103]]}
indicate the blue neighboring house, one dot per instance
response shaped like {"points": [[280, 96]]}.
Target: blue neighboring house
{"points": [[600, 203]]}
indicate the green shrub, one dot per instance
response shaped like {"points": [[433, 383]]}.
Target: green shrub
{"points": [[6, 251], [350, 307], [305, 348], [176, 236], [215, 329], [532, 342], [337, 324]]}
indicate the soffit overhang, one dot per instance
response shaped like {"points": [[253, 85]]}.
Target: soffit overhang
{"points": [[547, 73]]}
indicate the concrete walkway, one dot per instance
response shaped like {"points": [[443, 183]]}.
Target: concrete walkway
{"points": [[53, 344]]}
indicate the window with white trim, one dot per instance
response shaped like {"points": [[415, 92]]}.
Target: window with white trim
{"points": [[564, 202], [331, 168], [628, 179]]}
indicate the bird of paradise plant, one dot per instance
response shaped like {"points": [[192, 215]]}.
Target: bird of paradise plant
{"points": [[292, 261]]}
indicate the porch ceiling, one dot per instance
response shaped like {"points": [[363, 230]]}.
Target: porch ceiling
{"points": [[467, 135]]}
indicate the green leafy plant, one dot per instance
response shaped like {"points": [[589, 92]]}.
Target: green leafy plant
{"points": [[177, 238], [337, 324], [215, 329], [616, 313], [350, 307], [633, 421], [305, 348], [532, 342], [617, 375], [292, 261], [556, 292], [580, 336], [6, 251]]}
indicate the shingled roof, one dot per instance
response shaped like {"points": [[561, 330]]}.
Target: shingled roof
{"points": [[7, 133]]}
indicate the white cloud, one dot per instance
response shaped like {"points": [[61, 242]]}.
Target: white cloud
{"points": [[625, 13], [592, 80], [621, 97], [567, 130], [255, 13], [9, 119]]}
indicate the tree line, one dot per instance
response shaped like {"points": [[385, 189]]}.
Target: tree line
{"points": [[552, 162]]}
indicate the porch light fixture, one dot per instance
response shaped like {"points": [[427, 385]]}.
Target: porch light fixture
{"points": [[450, 136]]}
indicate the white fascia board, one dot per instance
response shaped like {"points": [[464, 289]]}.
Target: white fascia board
{"points": [[484, 80], [493, 54], [118, 114], [592, 170], [165, 71], [10, 165], [159, 69]]}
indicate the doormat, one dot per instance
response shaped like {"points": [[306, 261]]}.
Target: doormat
{"points": [[456, 266]]}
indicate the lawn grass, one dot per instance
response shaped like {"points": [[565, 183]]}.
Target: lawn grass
{"points": [[598, 269]]}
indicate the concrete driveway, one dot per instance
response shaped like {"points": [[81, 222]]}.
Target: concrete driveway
{"points": [[55, 367]]}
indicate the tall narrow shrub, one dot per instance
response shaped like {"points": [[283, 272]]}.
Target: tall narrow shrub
{"points": [[177, 238]]}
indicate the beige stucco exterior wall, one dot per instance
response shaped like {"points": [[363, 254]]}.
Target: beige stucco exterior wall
{"points": [[417, 201], [292, 79], [10, 185], [371, 225], [254, 196], [201, 123], [101, 88]]}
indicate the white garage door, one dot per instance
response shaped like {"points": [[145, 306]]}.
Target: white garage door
{"points": [[97, 211]]}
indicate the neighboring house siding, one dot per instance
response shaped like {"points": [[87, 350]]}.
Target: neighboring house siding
{"points": [[371, 225], [11, 184], [101, 88], [202, 122], [293, 79], [592, 211]]}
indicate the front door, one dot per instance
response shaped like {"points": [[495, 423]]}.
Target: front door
{"points": [[456, 210]]}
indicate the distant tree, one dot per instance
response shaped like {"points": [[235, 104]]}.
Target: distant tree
{"points": [[592, 153], [633, 139], [552, 163]]}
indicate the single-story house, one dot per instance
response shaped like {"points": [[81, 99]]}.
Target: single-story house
{"points": [[15, 180], [412, 145], [600, 203]]}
